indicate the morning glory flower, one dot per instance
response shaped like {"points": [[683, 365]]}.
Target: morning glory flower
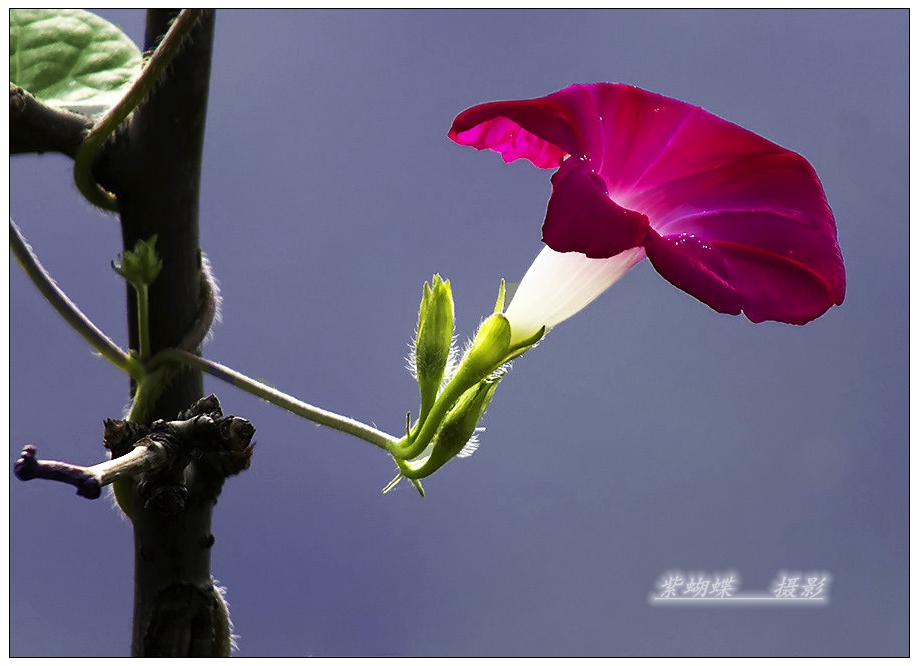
{"points": [[731, 218]]}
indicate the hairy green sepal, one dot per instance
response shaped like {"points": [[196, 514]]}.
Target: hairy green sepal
{"points": [[444, 428], [433, 341]]}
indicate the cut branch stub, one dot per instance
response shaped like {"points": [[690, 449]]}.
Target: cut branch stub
{"points": [[29, 467], [37, 128], [157, 457], [218, 446]]}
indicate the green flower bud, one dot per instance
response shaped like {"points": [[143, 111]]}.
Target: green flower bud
{"points": [[433, 341], [140, 266]]}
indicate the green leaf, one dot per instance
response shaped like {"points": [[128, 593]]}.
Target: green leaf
{"points": [[71, 58]]}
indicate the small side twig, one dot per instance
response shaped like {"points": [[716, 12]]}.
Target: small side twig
{"points": [[147, 455], [157, 455], [37, 128]]}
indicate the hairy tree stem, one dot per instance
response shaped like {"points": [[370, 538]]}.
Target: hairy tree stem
{"points": [[152, 164]]}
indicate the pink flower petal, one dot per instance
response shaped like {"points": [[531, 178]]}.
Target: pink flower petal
{"points": [[735, 220]]}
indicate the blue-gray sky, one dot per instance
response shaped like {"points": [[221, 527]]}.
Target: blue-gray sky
{"points": [[645, 435]]}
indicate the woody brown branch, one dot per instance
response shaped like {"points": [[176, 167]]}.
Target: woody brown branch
{"points": [[38, 128], [140, 451]]}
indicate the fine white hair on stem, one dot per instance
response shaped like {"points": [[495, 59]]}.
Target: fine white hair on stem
{"points": [[211, 280]]}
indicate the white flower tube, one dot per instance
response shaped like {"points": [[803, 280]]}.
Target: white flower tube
{"points": [[560, 284]]}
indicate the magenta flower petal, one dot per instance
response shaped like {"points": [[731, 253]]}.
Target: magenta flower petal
{"points": [[582, 218], [735, 220], [518, 130], [695, 267]]}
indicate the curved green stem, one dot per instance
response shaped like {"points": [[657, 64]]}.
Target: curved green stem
{"points": [[68, 310], [321, 416], [143, 322], [162, 56], [148, 390]]}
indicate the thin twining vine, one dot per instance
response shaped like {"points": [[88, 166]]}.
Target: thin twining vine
{"points": [[151, 73], [151, 374], [79, 322], [453, 396], [315, 414]]}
